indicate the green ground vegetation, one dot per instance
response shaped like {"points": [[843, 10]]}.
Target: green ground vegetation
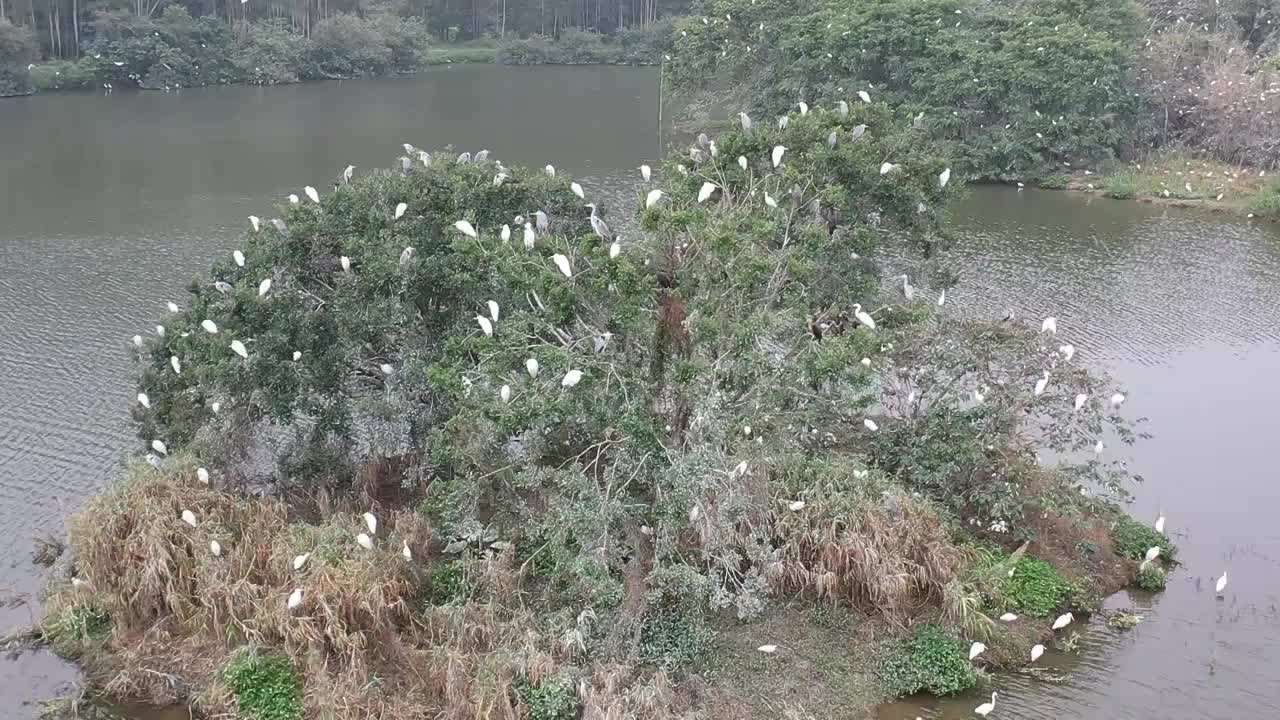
{"points": [[656, 468]]}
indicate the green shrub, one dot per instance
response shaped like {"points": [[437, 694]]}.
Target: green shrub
{"points": [[1036, 588], [63, 75], [1152, 578], [1266, 204], [269, 52], [17, 50], [672, 639], [405, 38], [1055, 182], [449, 584], [931, 661], [1133, 539], [266, 686], [536, 50], [448, 55], [555, 699], [1120, 187], [346, 46], [71, 628]]}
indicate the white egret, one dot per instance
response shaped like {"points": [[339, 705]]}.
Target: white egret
{"points": [[550, 170], [406, 257], [345, 262], [424, 158], [1152, 553], [173, 363], [215, 548], [295, 599], [173, 307], [371, 522], [866, 361], [222, 287], [311, 193], [202, 475], [976, 649], [256, 222], [778, 152], [577, 190], [238, 257], [571, 378], [985, 708], [400, 209], [506, 233], [863, 317], [804, 107], [264, 287], [529, 236], [1221, 584], [887, 167], [870, 424], [562, 262], [408, 149], [137, 341], [485, 326], [466, 228], [1049, 325], [769, 200], [532, 366], [1081, 399], [386, 368], [742, 162], [347, 173], [1159, 525], [405, 552], [293, 199], [1041, 384], [1068, 351], [979, 396], [706, 191], [297, 355], [944, 178], [1008, 617], [159, 447], [615, 249], [646, 172], [144, 401], [209, 326], [189, 518], [842, 107], [745, 120], [215, 407], [238, 348], [908, 292], [859, 131], [1117, 400], [783, 122], [505, 393], [1036, 652], [1063, 620], [364, 541], [768, 649], [653, 197], [1098, 447], [300, 560], [279, 225], [797, 505], [864, 96], [598, 225], [942, 297], [494, 310]]}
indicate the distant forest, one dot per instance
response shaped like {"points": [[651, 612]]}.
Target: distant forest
{"points": [[62, 27]]}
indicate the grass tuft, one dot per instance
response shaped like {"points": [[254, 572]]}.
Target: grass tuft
{"points": [[1133, 539], [932, 661], [1036, 588]]}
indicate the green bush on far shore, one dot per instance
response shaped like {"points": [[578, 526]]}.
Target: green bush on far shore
{"points": [[637, 46]]}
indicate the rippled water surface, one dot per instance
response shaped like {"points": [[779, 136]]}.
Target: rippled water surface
{"points": [[109, 203]]}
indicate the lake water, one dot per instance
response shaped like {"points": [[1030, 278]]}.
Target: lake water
{"points": [[108, 204]]}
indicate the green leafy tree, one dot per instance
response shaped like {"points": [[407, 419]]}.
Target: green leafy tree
{"points": [[17, 50]]}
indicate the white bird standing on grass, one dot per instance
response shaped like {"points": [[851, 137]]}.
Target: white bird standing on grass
{"points": [[944, 178], [295, 599], [529, 236], [345, 262], [386, 368], [615, 249], [264, 287], [797, 505], [571, 378], [175, 364], [189, 518], [364, 541], [653, 197], [494, 310], [159, 447], [1008, 617], [870, 424], [400, 210], [768, 649], [1041, 384], [863, 317], [238, 348], [562, 262], [371, 522], [485, 326], [778, 152], [505, 393], [532, 366], [215, 548], [864, 96], [300, 560], [209, 326], [887, 167], [577, 190], [466, 228], [742, 162], [405, 552], [707, 189]]}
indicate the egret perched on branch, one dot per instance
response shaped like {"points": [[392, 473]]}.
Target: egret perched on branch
{"points": [[571, 378], [532, 366], [653, 197], [550, 170], [256, 222], [506, 233], [769, 200], [863, 317], [778, 152], [864, 96], [400, 210], [494, 310], [238, 257], [615, 250], [1049, 325], [529, 237], [238, 348], [646, 172], [465, 228], [598, 225], [293, 199], [704, 192], [562, 262], [742, 162], [1159, 525], [783, 122], [944, 178], [347, 173], [405, 552], [311, 193], [300, 560], [842, 107], [1041, 384]]}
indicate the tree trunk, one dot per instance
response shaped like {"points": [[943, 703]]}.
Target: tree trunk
{"points": [[75, 24]]}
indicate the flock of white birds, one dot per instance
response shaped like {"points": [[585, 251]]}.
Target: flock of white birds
{"points": [[487, 323]]}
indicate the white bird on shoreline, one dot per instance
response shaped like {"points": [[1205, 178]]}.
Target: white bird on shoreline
{"points": [[144, 401], [985, 708], [646, 172], [1036, 652], [577, 190], [137, 341], [1063, 620], [653, 197], [173, 307], [1049, 325], [1221, 584], [1159, 524], [976, 649], [256, 222]]}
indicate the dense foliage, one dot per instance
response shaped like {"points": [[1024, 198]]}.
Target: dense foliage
{"points": [[932, 661], [1011, 89], [1133, 539], [1036, 588], [17, 50], [266, 686], [639, 46]]}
